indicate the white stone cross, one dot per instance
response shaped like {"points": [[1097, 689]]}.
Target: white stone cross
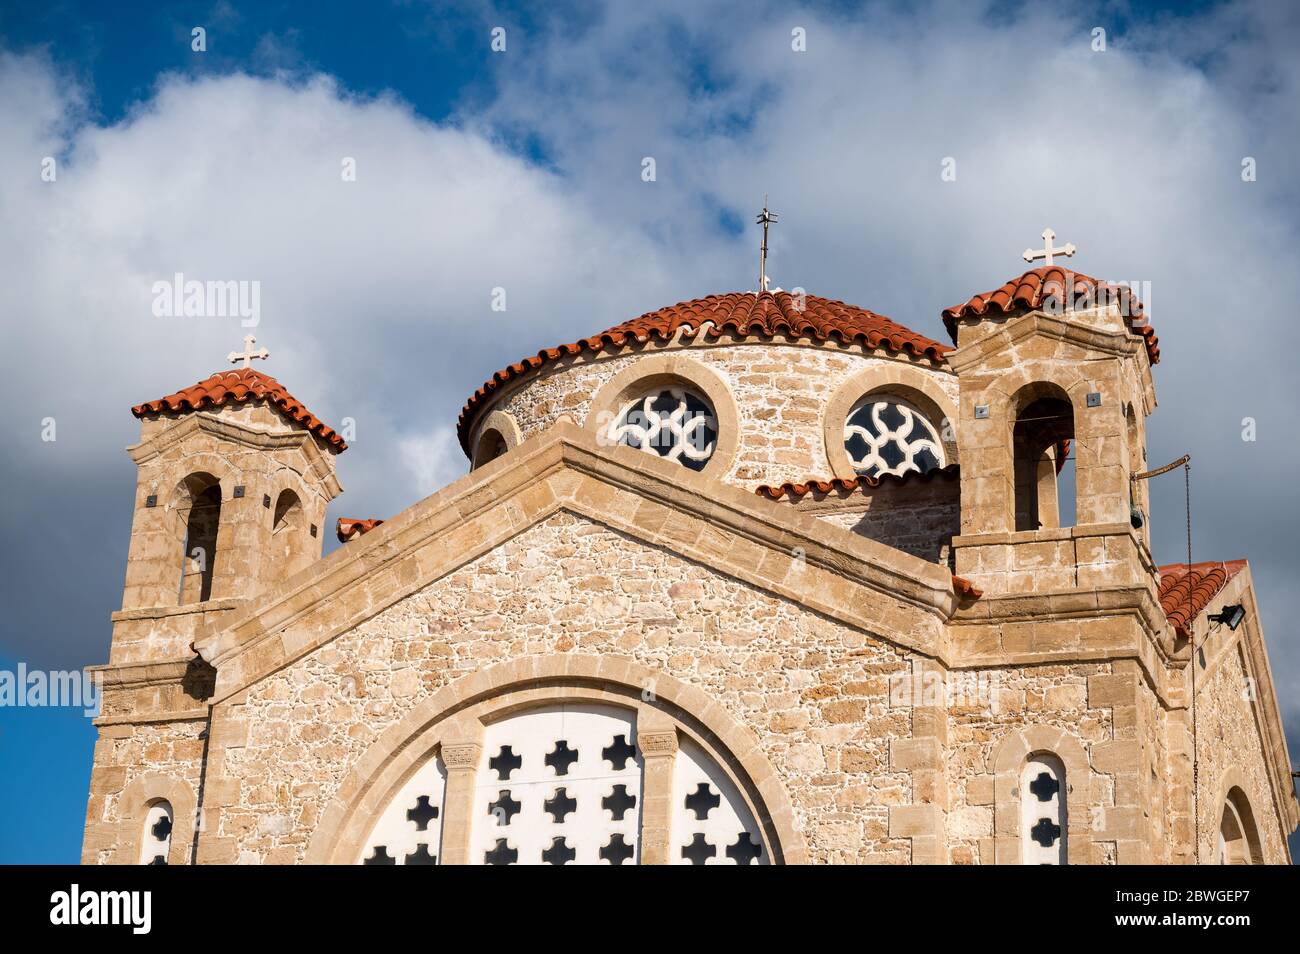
{"points": [[1046, 252], [249, 354]]}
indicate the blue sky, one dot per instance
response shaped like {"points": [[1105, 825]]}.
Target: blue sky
{"points": [[522, 170]]}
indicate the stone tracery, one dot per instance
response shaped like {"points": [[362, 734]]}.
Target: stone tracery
{"points": [[673, 422], [886, 435]]}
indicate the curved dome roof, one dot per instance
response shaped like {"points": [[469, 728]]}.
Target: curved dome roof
{"points": [[739, 314]]}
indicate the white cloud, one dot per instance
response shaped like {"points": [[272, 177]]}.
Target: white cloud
{"points": [[434, 459], [375, 294], [1133, 154]]}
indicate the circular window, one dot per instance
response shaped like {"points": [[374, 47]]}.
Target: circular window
{"points": [[884, 435], [672, 422]]}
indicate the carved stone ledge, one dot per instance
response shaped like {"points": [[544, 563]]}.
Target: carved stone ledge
{"points": [[657, 743], [461, 755]]}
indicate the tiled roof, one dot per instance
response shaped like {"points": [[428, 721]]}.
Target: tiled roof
{"points": [[1184, 593], [1029, 290], [349, 528], [742, 314], [236, 387], [847, 485]]}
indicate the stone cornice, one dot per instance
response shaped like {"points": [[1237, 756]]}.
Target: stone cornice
{"points": [[258, 438], [132, 675], [187, 609], [141, 718], [1069, 604], [971, 647], [1118, 342], [154, 692]]}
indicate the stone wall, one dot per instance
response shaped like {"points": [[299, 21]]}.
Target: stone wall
{"points": [[782, 393], [988, 706], [815, 692], [135, 763], [1229, 749], [917, 517]]}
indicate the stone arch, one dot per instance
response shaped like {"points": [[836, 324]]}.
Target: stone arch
{"points": [[1042, 422], [996, 462], [175, 486], [285, 526], [450, 724], [207, 463], [648, 371], [496, 435], [1236, 831], [1007, 761], [290, 543], [198, 502], [134, 804], [914, 385]]}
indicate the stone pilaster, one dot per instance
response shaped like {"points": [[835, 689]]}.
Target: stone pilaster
{"points": [[922, 757], [462, 760], [1125, 758], [227, 732], [658, 747]]}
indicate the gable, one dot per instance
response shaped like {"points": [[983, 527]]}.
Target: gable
{"points": [[569, 607], [898, 597]]}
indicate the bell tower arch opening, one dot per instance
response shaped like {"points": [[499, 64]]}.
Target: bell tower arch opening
{"points": [[1041, 439], [199, 509]]}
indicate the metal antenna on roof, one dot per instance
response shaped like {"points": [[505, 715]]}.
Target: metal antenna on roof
{"points": [[764, 219]]}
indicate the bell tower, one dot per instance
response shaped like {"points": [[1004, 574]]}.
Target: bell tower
{"points": [[1054, 371], [233, 478]]}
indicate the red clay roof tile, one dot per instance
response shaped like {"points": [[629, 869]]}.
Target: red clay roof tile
{"points": [[846, 485], [349, 528], [1185, 591], [1029, 291], [238, 386], [965, 589], [742, 314]]}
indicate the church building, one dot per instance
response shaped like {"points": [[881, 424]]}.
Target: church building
{"points": [[759, 578]]}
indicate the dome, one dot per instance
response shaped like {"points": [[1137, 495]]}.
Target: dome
{"points": [[768, 314]]}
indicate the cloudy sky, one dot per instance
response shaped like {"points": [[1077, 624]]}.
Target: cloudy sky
{"points": [[521, 169]]}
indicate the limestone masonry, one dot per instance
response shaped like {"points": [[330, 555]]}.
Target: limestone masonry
{"points": [[759, 578]]}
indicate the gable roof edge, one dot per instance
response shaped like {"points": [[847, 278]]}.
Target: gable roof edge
{"points": [[730, 529]]}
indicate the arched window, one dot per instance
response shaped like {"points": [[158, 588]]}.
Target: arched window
{"points": [[1041, 442], [711, 825], [1238, 836], [289, 535], [564, 784], [491, 445], [410, 831], [156, 838], [200, 508], [1044, 817], [886, 435], [669, 420]]}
